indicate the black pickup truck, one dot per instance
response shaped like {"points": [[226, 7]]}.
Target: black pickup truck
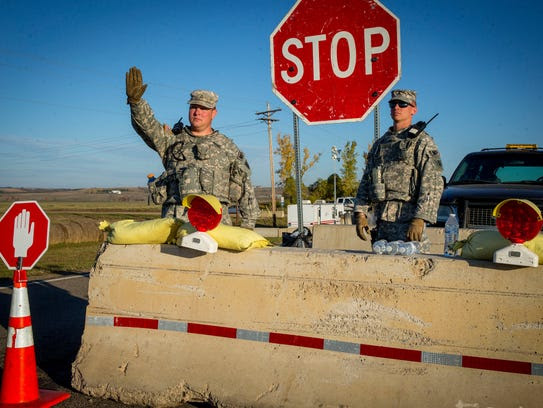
{"points": [[483, 179]]}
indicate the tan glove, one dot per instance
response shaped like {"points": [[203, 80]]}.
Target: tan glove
{"points": [[415, 230], [134, 85], [362, 228]]}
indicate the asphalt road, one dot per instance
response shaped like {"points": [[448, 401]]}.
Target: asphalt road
{"points": [[57, 308]]}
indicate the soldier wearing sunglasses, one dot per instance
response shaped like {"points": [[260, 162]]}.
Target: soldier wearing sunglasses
{"points": [[402, 182]]}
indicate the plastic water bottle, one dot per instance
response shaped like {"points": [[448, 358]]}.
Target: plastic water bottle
{"points": [[405, 248], [401, 248], [379, 247], [451, 235], [396, 247], [411, 247], [393, 248]]}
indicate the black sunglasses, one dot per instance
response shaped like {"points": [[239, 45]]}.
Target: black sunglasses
{"points": [[401, 104]]}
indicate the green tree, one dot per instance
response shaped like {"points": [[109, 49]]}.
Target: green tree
{"points": [[324, 189], [286, 173], [319, 190], [349, 180], [285, 151], [289, 190]]}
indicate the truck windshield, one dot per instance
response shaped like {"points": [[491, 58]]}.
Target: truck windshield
{"points": [[499, 168]]}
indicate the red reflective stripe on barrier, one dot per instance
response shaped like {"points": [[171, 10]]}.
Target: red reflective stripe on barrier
{"points": [[20, 322], [138, 322], [210, 330], [293, 340], [493, 364], [391, 352], [482, 363]]}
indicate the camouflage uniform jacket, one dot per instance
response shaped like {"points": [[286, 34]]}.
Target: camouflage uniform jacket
{"points": [[402, 179], [210, 164]]}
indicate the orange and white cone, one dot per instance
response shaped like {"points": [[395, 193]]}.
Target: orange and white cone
{"points": [[19, 379]]}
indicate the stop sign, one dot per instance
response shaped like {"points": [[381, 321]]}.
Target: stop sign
{"points": [[334, 61], [24, 229]]}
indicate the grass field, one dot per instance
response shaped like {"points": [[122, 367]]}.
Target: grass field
{"points": [[84, 209]]}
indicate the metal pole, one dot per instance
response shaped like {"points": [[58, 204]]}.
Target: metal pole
{"points": [[334, 186], [376, 130], [298, 177], [335, 157], [334, 212]]}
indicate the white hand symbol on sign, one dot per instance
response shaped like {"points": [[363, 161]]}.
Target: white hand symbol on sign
{"points": [[22, 236]]}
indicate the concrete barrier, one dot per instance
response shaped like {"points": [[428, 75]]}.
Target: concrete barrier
{"points": [[344, 237], [296, 327]]}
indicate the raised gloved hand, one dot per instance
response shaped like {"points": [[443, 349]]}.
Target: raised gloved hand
{"points": [[415, 230], [362, 227], [134, 85]]}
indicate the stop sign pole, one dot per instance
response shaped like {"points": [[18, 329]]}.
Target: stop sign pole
{"points": [[298, 170]]}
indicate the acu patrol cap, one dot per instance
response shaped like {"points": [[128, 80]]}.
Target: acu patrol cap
{"points": [[204, 98], [405, 95]]}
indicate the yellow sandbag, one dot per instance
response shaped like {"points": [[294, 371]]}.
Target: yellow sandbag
{"points": [[229, 237], [536, 246], [156, 231], [237, 238], [482, 245]]}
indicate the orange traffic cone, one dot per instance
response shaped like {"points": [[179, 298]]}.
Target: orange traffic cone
{"points": [[20, 380]]}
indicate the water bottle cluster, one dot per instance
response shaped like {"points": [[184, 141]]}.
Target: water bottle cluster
{"points": [[396, 247]]}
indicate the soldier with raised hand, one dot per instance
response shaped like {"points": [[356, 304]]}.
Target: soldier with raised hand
{"points": [[402, 182], [198, 159]]}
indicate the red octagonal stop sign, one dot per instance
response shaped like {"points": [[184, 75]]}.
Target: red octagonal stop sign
{"points": [[24, 232], [334, 61]]}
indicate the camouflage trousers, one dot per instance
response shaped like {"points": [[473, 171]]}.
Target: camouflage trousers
{"points": [[178, 211], [397, 231]]}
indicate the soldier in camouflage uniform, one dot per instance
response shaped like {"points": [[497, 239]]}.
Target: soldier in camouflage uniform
{"points": [[198, 159], [402, 181]]}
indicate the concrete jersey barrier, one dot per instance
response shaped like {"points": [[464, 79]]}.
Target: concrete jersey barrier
{"points": [[295, 327], [344, 237]]}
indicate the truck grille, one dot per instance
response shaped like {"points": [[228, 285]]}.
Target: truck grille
{"points": [[478, 217]]}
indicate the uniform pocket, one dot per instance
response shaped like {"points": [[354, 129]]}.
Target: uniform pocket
{"points": [[397, 178], [158, 189], [189, 181], [207, 180]]}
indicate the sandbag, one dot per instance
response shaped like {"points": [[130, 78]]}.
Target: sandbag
{"points": [[156, 231], [536, 246], [229, 237], [482, 245]]}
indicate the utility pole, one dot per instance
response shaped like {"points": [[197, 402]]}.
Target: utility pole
{"points": [[268, 119]]}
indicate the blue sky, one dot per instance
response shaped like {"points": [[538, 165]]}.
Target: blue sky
{"points": [[64, 121]]}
